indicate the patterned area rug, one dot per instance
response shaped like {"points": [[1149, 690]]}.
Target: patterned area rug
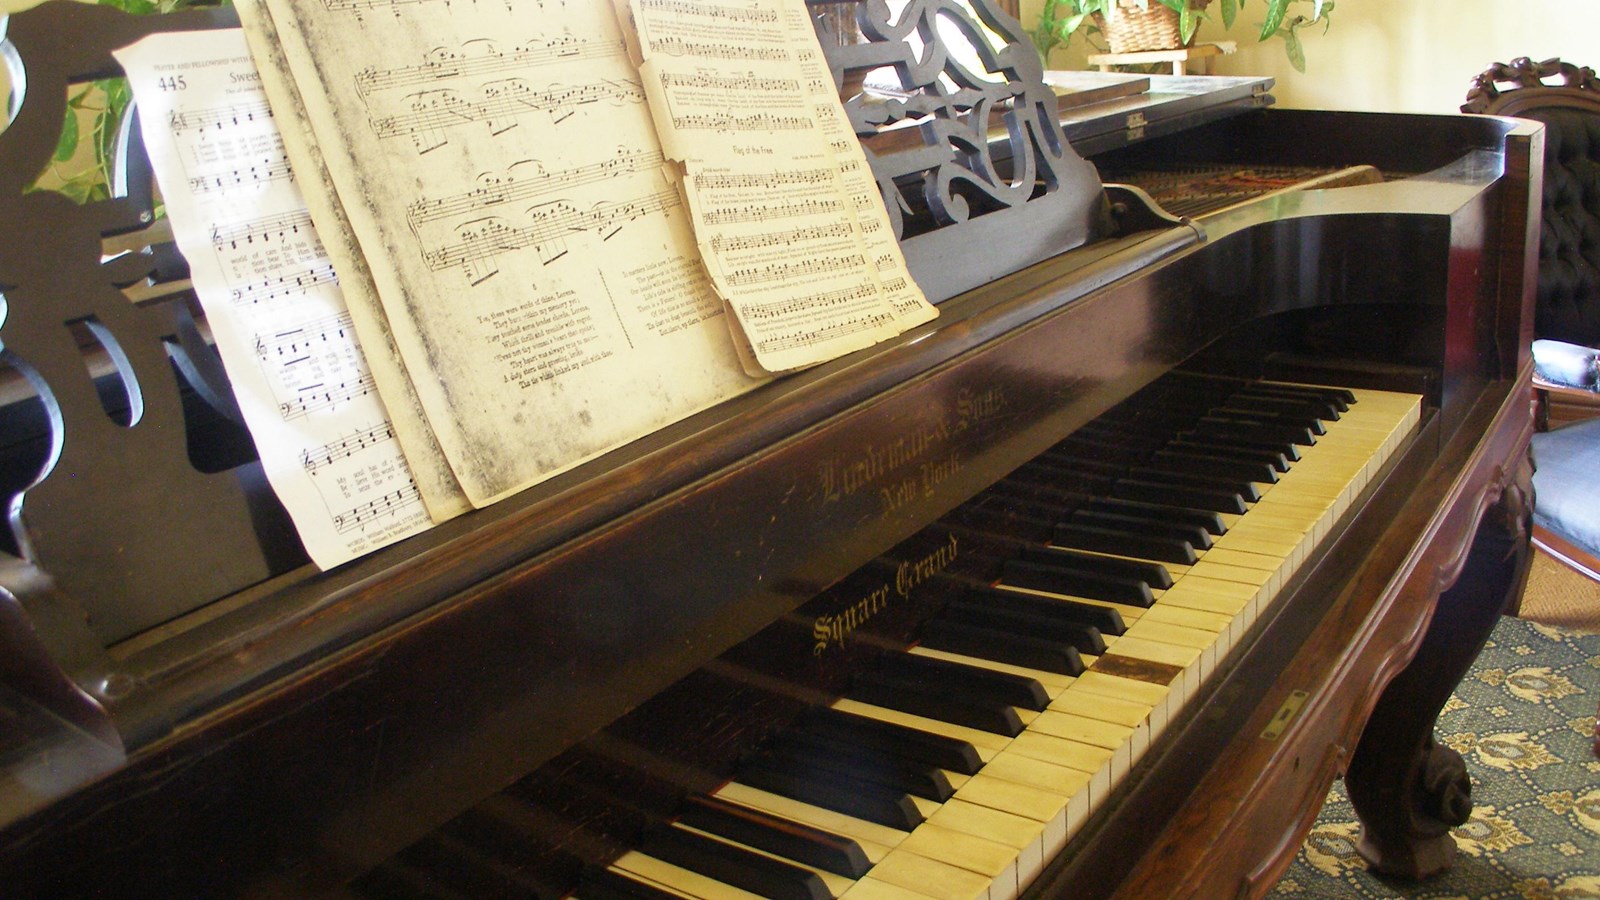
{"points": [[1523, 719]]}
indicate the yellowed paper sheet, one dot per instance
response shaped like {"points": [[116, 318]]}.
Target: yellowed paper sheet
{"points": [[534, 261], [786, 212], [272, 297], [441, 492]]}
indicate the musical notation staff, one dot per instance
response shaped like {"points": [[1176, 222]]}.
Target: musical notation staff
{"points": [[752, 122], [787, 271], [264, 229], [273, 288], [713, 11], [384, 505], [485, 58], [849, 326], [555, 221], [786, 238], [314, 458], [288, 346], [740, 83], [672, 46], [437, 111], [508, 189], [722, 181], [271, 169], [780, 309], [760, 212], [220, 117], [315, 397]]}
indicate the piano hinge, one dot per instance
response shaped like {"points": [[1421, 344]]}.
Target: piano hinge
{"points": [[1285, 715]]}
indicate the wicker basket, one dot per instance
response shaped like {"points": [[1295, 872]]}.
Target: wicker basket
{"points": [[1129, 29]]}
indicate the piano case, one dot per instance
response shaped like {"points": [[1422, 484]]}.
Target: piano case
{"points": [[188, 707]]}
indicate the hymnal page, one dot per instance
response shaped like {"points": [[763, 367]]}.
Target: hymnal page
{"points": [[503, 179], [787, 214], [271, 296]]}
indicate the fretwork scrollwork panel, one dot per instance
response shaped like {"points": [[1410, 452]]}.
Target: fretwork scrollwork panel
{"points": [[943, 78], [140, 497]]}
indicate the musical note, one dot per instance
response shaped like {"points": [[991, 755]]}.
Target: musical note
{"points": [[290, 345], [787, 238], [384, 505], [760, 212], [788, 271], [720, 181], [737, 83], [432, 113], [264, 229], [713, 11], [730, 123], [323, 396], [271, 169], [484, 239], [219, 118], [314, 458], [485, 58], [496, 190], [270, 289], [672, 46]]}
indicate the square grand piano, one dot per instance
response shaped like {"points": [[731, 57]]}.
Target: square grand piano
{"points": [[1091, 586]]}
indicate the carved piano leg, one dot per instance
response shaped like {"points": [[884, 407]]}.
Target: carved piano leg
{"points": [[1407, 790]]}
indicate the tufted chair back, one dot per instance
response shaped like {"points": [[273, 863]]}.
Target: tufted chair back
{"points": [[1566, 99]]}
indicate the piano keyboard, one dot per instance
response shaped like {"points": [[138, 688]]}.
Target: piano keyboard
{"points": [[960, 767]]}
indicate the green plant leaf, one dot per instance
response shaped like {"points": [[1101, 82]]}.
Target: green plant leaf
{"points": [[1188, 21], [68, 144], [1296, 52], [1276, 10], [1230, 11]]}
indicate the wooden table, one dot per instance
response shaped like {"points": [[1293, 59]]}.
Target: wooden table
{"points": [[1180, 58]]}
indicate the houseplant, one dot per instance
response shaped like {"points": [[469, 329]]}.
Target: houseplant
{"points": [[1060, 19]]}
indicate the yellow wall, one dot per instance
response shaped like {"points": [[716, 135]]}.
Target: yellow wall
{"points": [[1398, 55]]}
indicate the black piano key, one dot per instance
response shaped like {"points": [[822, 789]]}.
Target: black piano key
{"points": [[1000, 646], [1124, 543], [1198, 537], [1274, 458], [1244, 430], [935, 749], [1299, 406], [1051, 579], [1269, 417], [909, 696], [1204, 518], [1246, 491], [608, 884], [840, 793], [1183, 460], [1151, 573], [1177, 495], [799, 751], [776, 835], [1105, 619], [734, 866], [1086, 638], [959, 678], [1339, 397]]}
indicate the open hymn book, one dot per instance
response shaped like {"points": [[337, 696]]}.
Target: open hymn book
{"points": [[536, 234]]}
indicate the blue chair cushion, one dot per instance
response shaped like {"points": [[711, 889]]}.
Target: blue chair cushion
{"points": [[1566, 483]]}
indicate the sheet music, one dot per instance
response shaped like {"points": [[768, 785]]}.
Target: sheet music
{"points": [[271, 296], [787, 214], [532, 256]]}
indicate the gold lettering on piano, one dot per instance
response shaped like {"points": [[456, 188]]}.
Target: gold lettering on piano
{"points": [[832, 630], [1285, 715], [913, 465]]}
